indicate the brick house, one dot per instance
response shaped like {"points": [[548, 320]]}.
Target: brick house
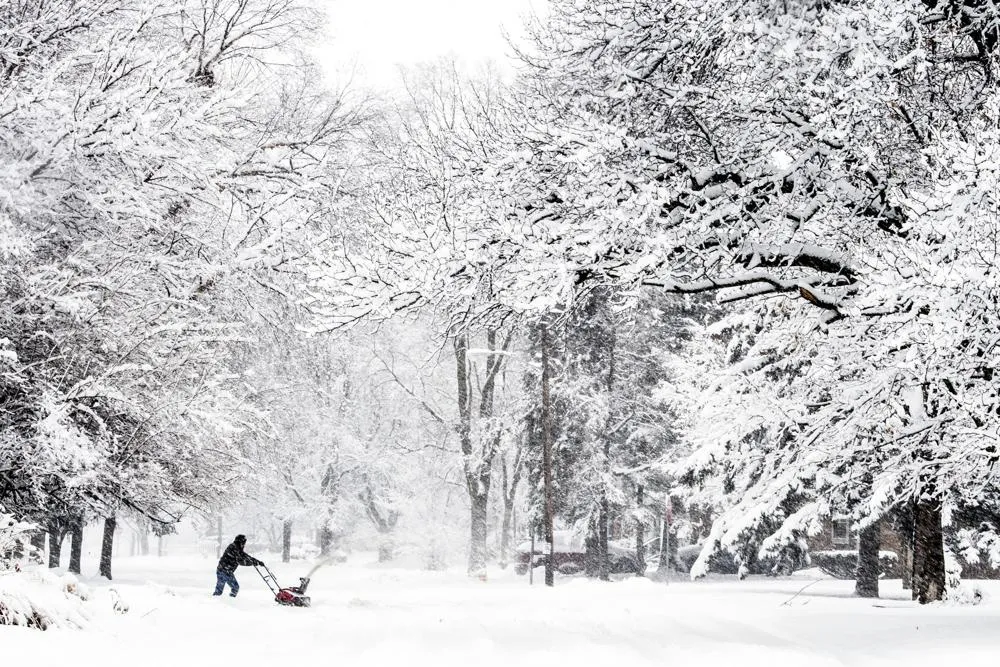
{"points": [[840, 534]]}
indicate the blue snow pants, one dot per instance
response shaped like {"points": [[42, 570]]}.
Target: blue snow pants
{"points": [[223, 578]]}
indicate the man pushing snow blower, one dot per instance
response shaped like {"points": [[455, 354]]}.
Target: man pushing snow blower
{"points": [[233, 557]]}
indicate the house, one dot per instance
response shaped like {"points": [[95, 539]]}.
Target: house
{"points": [[840, 533]]}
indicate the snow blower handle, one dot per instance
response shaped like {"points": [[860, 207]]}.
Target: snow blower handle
{"points": [[267, 576]]}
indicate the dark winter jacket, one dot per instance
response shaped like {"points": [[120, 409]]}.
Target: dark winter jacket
{"points": [[234, 556]]}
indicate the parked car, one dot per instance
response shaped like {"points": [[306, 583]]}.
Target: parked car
{"points": [[569, 554]]}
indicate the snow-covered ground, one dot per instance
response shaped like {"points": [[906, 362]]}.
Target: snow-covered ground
{"points": [[364, 614]]}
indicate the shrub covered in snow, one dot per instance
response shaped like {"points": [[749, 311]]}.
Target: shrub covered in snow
{"points": [[15, 539], [38, 598], [42, 600], [976, 551], [721, 562], [959, 592]]}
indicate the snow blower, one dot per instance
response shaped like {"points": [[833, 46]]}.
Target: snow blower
{"points": [[293, 596]]}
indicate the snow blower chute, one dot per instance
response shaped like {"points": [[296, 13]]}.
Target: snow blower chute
{"points": [[293, 596]]}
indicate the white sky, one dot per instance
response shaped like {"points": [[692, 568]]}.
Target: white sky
{"points": [[379, 35]]}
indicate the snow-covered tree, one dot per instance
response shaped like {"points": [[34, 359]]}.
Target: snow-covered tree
{"points": [[154, 159], [801, 149], [425, 212]]}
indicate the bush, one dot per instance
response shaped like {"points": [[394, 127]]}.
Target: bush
{"points": [[844, 564], [15, 540], [42, 600], [721, 562]]}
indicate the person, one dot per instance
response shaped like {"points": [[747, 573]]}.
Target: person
{"points": [[232, 557]]}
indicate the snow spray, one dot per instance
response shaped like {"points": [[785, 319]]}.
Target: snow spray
{"points": [[320, 563]]}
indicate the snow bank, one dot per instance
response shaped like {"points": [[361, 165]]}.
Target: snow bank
{"points": [[43, 600]]}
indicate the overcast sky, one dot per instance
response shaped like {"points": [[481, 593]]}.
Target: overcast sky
{"points": [[380, 34]]}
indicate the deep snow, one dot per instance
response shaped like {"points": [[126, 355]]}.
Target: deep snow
{"points": [[365, 614]]}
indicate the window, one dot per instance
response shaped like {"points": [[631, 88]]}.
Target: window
{"points": [[841, 532]]}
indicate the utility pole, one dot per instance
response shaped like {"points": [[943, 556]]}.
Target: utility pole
{"points": [[547, 456]]}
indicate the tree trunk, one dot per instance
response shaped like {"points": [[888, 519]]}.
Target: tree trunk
{"points": [[159, 546], [143, 538], [505, 530], [928, 553], [385, 523], [510, 481], [866, 577], [478, 493], [478, 462], [905, 526], [668, 541], [286, 541], [38, 546], [604, 567], [591, 557], [15, 552], [477, 534], [476, 563], [76, 546], [906, 562], [550, 576], [386, 548], [55, 543], [107, 545], [513, 526], [325, 540], [219, 541], [603, 557], [640, 536], [604, 518], [531, 559]]}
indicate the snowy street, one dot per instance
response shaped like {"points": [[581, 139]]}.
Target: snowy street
{"points": [[365, 615]]}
